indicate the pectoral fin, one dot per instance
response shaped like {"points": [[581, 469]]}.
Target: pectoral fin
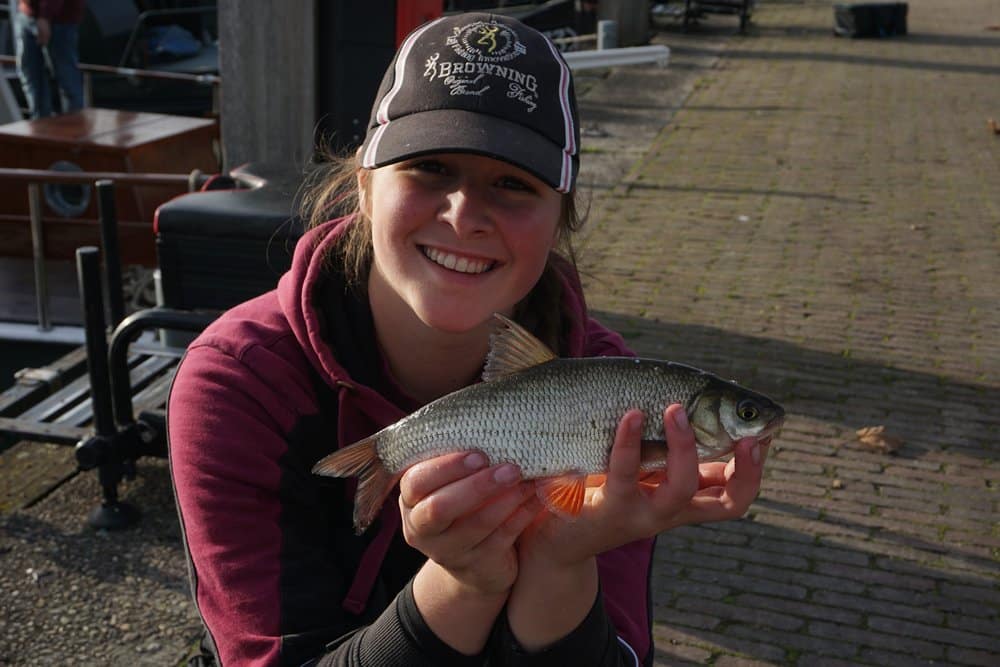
{"points": [[563, 495]]}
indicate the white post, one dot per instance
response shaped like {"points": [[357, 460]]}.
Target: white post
{"points": [[607, 34]]}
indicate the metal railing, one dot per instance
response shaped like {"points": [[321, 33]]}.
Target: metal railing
{"points": [[104, 183], [89, 69]]}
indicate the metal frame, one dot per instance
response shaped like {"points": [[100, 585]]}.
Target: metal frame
{"points": [[96, 412]]}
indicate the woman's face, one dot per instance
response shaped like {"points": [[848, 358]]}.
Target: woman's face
{"points": [[457, 237]]}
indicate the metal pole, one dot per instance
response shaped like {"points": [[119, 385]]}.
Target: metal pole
{"points": [[88, 90], [607, 34], [109, 243], [88, 270], [38, 257]]}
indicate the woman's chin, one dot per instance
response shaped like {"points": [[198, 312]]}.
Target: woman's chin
{"points": [[456, 319]]}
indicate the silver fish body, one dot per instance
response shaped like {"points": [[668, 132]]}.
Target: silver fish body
{"points": [[551, 419], [554, 418]]}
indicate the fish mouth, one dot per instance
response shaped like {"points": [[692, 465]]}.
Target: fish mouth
{"points": [[458, 263], [772, 431]]}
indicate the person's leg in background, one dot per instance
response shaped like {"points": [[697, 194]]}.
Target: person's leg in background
{"points": [[63, 49], [31, 65]]}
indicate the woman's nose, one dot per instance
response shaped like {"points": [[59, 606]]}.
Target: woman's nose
{"points": [[466, 209]]}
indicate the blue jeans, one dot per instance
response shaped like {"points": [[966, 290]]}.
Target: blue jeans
{"points": [[34, 72]]}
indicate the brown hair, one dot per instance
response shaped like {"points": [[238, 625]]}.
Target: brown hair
{"points": [[331, 191]]}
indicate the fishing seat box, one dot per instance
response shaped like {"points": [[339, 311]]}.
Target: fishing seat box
{"points": [[869, 19], [231, 241]]}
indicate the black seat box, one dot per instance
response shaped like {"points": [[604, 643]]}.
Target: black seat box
{"points": [[219, 247]]}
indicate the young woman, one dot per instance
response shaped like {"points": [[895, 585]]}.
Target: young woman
{"points": [[462, 197]]}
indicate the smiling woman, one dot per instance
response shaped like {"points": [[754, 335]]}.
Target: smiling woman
{"points": [[457, 206], [460, 209]]}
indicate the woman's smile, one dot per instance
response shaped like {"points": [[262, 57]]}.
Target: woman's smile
{"points": [[457, 237], [457, 262]]}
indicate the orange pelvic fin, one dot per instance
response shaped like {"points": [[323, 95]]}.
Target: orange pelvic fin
{"points": [[563, 495], [374, 481]]}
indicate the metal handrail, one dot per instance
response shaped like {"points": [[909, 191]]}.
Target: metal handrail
{"points": [[88, 69], [204, 79], [89, 177]]}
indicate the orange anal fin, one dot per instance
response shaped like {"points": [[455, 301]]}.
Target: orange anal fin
{"points": [[652, 476], [645, 477], [563, 495]]}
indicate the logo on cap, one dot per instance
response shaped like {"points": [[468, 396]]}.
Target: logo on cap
{"points": [[486, 42], [483, 48]]}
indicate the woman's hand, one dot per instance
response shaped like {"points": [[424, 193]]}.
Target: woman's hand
{"points": [[465, 516], [557, 576], [624, 509]]}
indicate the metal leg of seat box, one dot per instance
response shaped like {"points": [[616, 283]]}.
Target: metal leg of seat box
{"points": [[104, 450], [119, 439]]}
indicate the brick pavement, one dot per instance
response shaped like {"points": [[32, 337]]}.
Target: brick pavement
{"points": [[815, 216], [820, 220]]}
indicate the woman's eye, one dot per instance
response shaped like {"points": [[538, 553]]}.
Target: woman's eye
{"points": [[511, 183], [429, 166]]}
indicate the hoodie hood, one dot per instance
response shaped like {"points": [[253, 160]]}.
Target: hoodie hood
{"points": [[296, 297]]}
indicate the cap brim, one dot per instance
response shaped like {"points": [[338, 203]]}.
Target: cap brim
{"points": [[461, 131]]}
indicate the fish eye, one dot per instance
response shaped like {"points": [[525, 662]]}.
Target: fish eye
{"points": [[747, 410]]}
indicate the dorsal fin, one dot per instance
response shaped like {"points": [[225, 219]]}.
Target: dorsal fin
{"points": [[512, 349]]}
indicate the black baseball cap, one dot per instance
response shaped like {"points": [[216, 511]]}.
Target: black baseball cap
{"points": [[478, 83]]}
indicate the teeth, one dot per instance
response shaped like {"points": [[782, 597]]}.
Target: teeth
{"points": [[455, 263]]}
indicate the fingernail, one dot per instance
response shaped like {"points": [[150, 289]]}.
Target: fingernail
{"points": [[506, 474], [755, 453], [475, 461], [681, 419]]}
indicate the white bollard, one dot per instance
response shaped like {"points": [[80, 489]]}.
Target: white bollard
{"points": [[607, 35]]}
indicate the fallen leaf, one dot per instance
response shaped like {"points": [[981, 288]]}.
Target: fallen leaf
{"points": [[875, 438]]}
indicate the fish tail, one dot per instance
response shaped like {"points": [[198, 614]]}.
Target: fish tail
{"points": [[361, 460]]}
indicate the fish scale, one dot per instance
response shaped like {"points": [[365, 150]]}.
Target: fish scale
{"points": [[548, 419]]}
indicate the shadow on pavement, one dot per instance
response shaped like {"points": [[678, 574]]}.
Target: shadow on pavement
{"points": [[848, 59]]}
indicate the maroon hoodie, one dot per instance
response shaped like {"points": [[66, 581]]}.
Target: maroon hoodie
{"points": [[277, 573]]}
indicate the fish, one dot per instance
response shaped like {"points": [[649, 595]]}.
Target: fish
{"points": [[556, 419]]}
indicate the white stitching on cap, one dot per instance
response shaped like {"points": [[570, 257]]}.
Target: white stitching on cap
{"points": [[382, 115], [569, 147]]}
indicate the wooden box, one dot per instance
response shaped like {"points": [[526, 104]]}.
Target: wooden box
{"points": [[98, 140]]}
